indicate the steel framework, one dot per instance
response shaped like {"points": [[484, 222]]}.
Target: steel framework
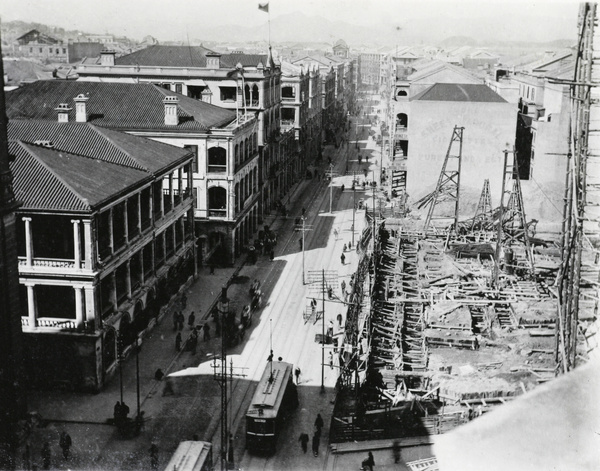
{"points": [[448, 185]]}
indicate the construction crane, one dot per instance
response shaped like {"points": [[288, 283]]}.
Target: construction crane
{"points": [[512, 226], [448, 184]]}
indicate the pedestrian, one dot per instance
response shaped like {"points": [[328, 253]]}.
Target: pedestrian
{"points": [[304, 441], [339, 319], [343, 187], [183, 300], [319, 424], [180, 320], [270, 357], [331, 360], [65, 443], [193, 341], [117, 413], [46, 455], [191, 320], [159, 375], [396, 450], [178, 342], [345, 248], [297, 372], [343, 259], [153, 456], [330, 330], [369, 462], [335, 233], [124, 410], [272, 254], [315, 443], [206, 329], [343, 286]]}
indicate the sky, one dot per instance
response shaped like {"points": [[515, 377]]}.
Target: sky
{"points": [[178, 19]]}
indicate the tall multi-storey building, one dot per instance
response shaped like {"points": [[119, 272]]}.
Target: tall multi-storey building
{"points": [[104, 239], [225, 171], [242, 82]]}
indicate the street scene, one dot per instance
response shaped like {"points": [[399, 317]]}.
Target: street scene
{"points": [[266, 239]]}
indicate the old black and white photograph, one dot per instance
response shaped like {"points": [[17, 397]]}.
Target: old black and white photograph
{"points": [[271, 235]]}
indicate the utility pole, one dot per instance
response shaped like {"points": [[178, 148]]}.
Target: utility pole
{"points": [[318, 282], [304, 228], [353, 205]]}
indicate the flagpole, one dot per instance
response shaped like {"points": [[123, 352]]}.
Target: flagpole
{"points": [[269, 20]]}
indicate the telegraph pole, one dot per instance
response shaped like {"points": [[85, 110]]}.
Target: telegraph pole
{"points": [[304, 228]]}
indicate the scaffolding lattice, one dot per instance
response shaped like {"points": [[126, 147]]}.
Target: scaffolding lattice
{"points": [[448, 185]]}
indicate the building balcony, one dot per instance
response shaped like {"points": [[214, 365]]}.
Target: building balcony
{"points": [[217, 213], [50, 263]]}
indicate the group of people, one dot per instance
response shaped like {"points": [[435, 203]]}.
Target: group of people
{"points": [[316, 439]]}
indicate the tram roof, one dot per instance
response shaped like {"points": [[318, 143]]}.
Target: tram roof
{"points": [[269, 394]]}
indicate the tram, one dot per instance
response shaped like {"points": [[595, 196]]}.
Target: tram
{"points": [[191, 456], [274, 398]]}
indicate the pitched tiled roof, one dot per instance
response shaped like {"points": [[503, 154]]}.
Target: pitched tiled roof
{"points": [[128, 106], [459, 92], [52, 180], [166, 56], [99, 143], [247, 60]]}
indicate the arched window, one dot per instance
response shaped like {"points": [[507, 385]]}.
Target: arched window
{"points": [[247, 148], [217, 201], [217, 160], [402, 120], [247, 96], [254, 95], [237, 198]]}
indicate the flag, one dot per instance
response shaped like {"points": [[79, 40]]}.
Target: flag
{"points": [[264, 7]]}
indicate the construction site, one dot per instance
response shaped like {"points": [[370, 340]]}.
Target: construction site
{"points": [[452, 317]]}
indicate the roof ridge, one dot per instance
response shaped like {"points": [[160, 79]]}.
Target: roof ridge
{"points": [[111, 140], [29, 147]]}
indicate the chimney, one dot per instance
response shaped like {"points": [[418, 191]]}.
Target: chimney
{"points": [[107, 58], [171, 118], [63, 112], [206, 95], [81, 115], [213, 60]]}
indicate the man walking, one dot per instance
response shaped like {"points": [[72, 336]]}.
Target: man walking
{"points": [[304, 441], [315, 443], [343, 259], [191, 320], [65, 444], [318, 424], [297, 373]]}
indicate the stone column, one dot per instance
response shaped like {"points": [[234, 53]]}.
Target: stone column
{"points": [[76, 245], [31, 310], [90, 306], [88, 248], [128, 277], [28, 242], [171, 193], [78, 306], [126, 221]]}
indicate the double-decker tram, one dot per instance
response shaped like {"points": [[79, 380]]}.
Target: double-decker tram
{"points": [[275, 396]]}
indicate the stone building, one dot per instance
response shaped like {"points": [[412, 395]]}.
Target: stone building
{"points": [[104, 238], [225, 170]]}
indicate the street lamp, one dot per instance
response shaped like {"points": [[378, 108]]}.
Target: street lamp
{"points": [[223, 309]]}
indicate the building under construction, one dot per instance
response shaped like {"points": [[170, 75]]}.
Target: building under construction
{"points": [[451, 318]]}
